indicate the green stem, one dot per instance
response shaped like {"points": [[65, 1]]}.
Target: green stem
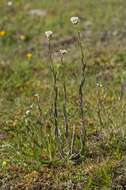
{"points": [[65, 104], [55, 88], [82, 82]]}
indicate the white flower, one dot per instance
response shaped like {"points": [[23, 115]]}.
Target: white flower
{"points": [[36, 95], [63, 51], [27, 112], [75, 20], [9, 3], [31, 106], [99, 85], [48, 34]]}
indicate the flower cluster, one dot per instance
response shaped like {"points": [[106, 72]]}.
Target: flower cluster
{"points": [[63, 52], [49, 34], [75, 20]]}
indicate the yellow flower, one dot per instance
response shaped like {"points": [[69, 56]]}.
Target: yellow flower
{"points": [[29, 56], [4, 164], [22, 37], [2, 33]]}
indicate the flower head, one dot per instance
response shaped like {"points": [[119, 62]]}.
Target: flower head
{"points": [[75, 20], [28, 112], [9, 3], [31, 106], [63, 52], [49, 34], [2, 33], [4, 164], [36, 95], [22, 37], [29, 56], [99, 85]]}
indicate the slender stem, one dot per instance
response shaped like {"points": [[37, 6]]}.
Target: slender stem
{"points": [[65, 104], [51, 60], [99, 108], [82, 82], [39, 108], [55, 88], [55, 106], [55, 100], [73, 140], [65, 111]]}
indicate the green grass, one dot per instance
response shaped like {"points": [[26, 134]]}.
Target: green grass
{"points": [[27, 152]]}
